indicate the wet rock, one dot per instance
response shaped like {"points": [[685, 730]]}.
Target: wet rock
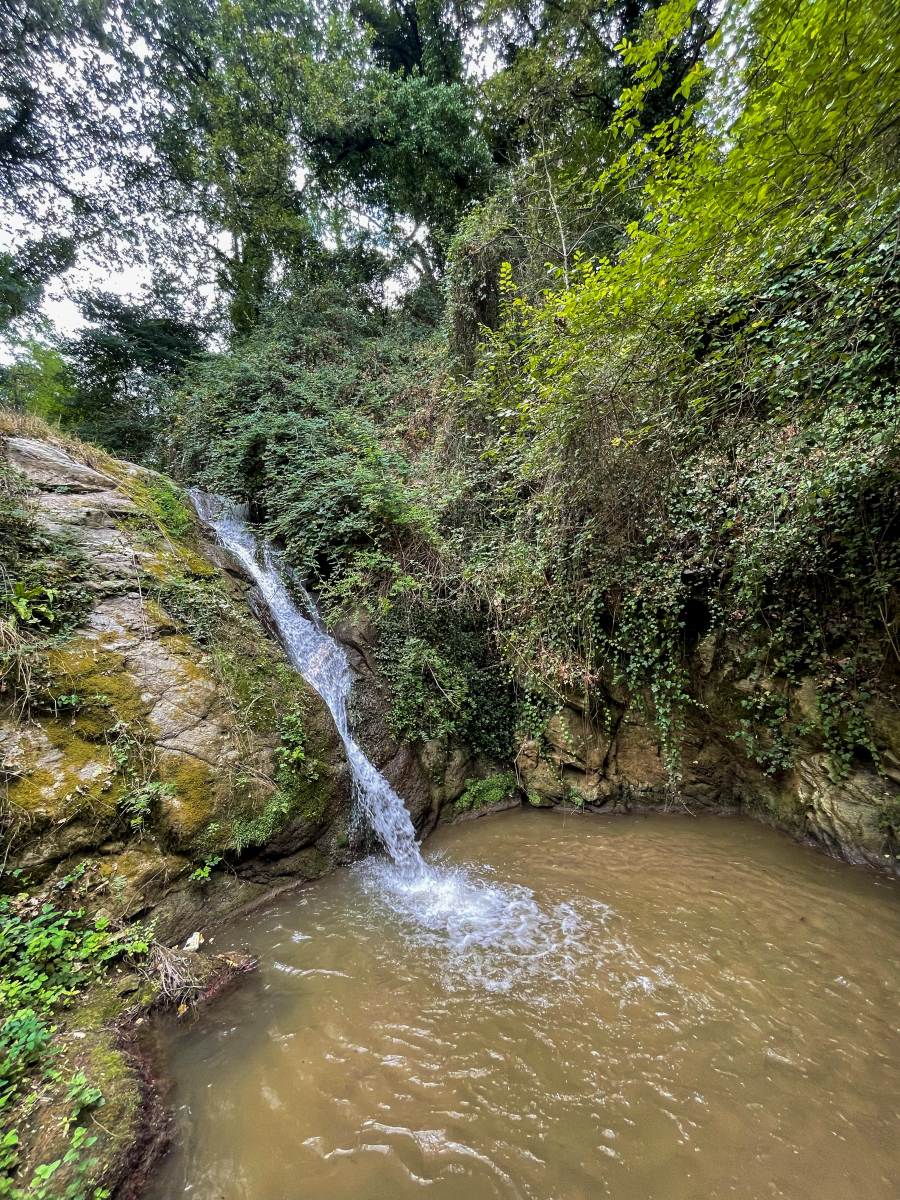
{"points": [[189, 904], [127, 985], [845, 814], [150, 708], [300, 831]]}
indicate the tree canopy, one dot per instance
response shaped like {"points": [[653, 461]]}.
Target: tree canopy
{"points": [[563, 335]]}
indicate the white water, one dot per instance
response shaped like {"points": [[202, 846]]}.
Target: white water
{"points": [[323, 663], [494, 935]]}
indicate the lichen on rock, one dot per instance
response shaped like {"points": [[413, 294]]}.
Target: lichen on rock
{"points": [[155, 724]]}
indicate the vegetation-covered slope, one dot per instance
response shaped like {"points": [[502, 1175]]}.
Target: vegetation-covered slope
{"points": [[557, 344], [627, 428]]}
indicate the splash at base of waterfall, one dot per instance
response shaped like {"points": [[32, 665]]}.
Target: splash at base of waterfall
{"points": [[492, 933]]}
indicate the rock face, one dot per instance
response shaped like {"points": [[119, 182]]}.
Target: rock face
{"points": [[618, 764], [149, 747], [428, 776], [152, 746]]}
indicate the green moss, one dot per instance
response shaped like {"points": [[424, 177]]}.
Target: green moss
{"points": [[98, 678], [99, 1007], [82, 782], [193, 805]]}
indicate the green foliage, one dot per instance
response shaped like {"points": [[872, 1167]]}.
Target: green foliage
{"points": [[136, 804], [201, 874], [42, 589], [683, 422], [445, 678], [172, 508], [48, 957], [133, 757], [260, 827], [29, 606], [38, 381], [295, 422], [291, 754], [295, 773], [561, 72], [698, 433], [300, 135], [481, 792], [120, 367]]}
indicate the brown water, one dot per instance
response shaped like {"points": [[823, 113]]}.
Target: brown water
{"points": [[711, 1011]]}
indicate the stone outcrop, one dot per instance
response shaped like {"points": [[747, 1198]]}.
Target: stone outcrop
{"points": [[428, 776], [617, 764], [149, 746]]}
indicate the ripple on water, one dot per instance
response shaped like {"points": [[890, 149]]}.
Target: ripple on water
{"points": [[595, 1008], [481, 934]]}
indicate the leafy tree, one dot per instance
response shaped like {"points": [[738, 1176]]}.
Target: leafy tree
{"points": [[562, 72], [69, 173], [700, 429], [23, 274], [286, 132], [122, 366], [38, 381], [410, 37], [54, 85]]}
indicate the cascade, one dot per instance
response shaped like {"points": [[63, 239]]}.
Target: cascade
{"points": [[494, 936], [323, 664]]}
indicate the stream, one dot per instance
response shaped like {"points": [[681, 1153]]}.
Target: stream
{"points": [[544, 1006]]}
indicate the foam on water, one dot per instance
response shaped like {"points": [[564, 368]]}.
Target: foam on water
{"points": [[492, 934]]}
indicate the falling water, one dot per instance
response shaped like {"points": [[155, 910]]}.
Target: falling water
{"points": [[494, 935], [323, 663]]}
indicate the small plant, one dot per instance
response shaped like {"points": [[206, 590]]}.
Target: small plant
{"points": [[480, 793], [258, 829], [291, 754], [137, 803], [30, 606], [765, 731], [134, 762], [201, 874]]}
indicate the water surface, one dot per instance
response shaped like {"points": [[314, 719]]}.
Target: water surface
{"points": [[646, 1008]]}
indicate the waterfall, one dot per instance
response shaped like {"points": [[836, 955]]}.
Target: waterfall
{"points": [[323, 664], [494, 935]]}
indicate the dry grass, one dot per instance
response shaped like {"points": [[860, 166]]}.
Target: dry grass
{"points": [[18, 424]]}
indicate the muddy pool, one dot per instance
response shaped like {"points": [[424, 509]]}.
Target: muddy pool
{"points": [[640, 1007]]}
